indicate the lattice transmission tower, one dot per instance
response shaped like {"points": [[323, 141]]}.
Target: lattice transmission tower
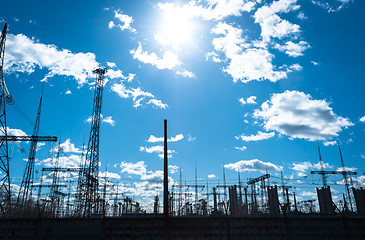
{"points": [[88, 202], [25, 191], [5, 97]]}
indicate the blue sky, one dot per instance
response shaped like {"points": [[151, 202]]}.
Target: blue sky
{"points": [[246, 85]]}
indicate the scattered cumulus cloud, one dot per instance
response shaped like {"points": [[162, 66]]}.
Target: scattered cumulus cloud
{"points": [[68, 147], [109, 175], [247, 61], [210, 10], [169, 60], [332, 5], [125, 22], [173, 169], [297, 115], [362, 119], [109, 120], [186, 74], [191, 138], [211, 176], [249, 100], [258, 137], [25, 54], [137, 95], [153, 139], [157, 103], [302, 167], [243, 148], [157, 149], [293, 49], [252, 165], [111, 64], [71, 161], [13, 132], [68, 92], [272, 25]]}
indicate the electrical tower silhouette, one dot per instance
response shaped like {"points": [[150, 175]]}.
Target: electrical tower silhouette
{"points": [[88, 195], [5, 192], [25, 191]]}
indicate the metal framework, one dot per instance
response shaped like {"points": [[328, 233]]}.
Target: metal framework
{"points": [[5, 97], [25, 192], [89, 196], [28, 138]]}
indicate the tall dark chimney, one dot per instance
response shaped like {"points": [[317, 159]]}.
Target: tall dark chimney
{"points": [[165, 176]]}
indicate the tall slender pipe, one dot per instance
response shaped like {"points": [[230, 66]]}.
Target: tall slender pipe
{"points": [[165, 175]]}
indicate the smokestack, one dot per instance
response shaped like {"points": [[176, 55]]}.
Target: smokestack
{"points": [[165, 175]]}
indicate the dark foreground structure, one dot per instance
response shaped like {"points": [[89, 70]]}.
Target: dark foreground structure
{"points": [[155, 227]]}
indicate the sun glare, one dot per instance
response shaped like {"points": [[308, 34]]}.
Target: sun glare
{"points": [[175, 28]]}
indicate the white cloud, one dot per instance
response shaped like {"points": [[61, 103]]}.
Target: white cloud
{"points": [[157, 149], [109, 175], [247, 61], [173, 169], [302, 16], [314, 63], [13, 132], [190, 138], [312, 195], [71, 161], [124, 19], [293, 49], [210, 9], [153, 149], [154, 139], [362, 119], [211, 176], [24, 55], [303, 167], [109, 120], [272, 26], [258, 137], [113, 74], [250, 100], [157, 103], [111, 64], [176, 138], [295, 114], [168, 61], [137, 94], [252, 165], [186, 73], [68, 92], [138, 168], [68, 147], [243, 148], [332, 5], [329, 143]]}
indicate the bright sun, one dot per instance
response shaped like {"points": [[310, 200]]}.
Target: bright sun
{"points": [[175, 28]]}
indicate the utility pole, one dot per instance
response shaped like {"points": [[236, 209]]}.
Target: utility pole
{"points": [[165, 176]]}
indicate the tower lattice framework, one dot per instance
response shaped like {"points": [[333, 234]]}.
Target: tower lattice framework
{"points": [[25, 191], [89, 185], [5, 97]]}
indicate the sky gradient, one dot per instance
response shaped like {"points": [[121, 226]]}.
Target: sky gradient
{"points": [[249, 86]]}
